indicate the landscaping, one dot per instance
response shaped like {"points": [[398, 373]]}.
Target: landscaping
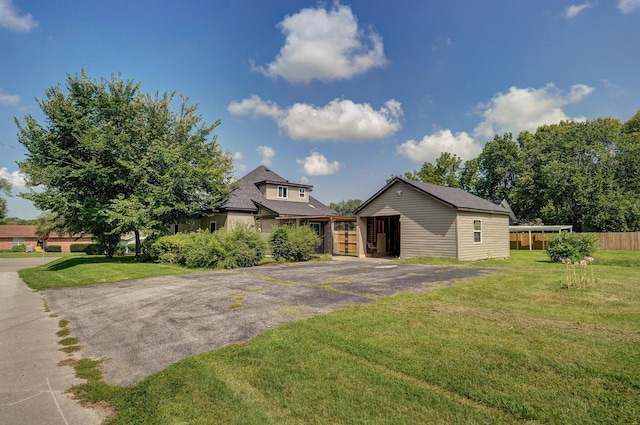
{"points": [[504, 348]]}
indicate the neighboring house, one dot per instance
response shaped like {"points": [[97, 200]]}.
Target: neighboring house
{"points": [[266, 200], [12, 235], [408, 219]]}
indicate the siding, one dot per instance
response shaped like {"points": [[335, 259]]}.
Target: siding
{"points": [[495, 236], [293, 194], [428, 227], [233, 219]]}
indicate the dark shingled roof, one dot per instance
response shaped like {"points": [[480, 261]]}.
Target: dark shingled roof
{"points": [[247, 197], [453, 197]]}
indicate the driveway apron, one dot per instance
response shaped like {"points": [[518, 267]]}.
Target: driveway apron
{"points": [[141, 327], [32, 385]]}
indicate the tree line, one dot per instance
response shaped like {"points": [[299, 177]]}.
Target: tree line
{"points": [[579, 173]]}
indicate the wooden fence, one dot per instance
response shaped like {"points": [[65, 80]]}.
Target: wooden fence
{"points": [[628, 241], [347, 242]]}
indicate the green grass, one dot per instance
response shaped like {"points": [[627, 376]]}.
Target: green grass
{"points": [[511, 347], [71, 271]]}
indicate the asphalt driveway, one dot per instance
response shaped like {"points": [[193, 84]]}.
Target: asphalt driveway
{"points": [[142, 326]]}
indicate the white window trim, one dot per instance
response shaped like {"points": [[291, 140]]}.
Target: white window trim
{"points": [[302, 192], [18, 241], [477, 231], [281, 190]]}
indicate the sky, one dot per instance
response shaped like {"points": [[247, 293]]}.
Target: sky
{"points": [[340, 95]]}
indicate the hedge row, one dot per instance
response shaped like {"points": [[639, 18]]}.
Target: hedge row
{"points": [[293, 243], [240, 247]]}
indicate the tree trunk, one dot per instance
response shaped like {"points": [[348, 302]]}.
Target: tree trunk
{"points": [[137, 233]]}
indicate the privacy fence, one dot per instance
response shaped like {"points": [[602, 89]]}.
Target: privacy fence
{"points": [[628, 241]]}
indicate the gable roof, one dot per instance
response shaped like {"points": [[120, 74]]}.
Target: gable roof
{"points": [[248, 198], [452, 197]]}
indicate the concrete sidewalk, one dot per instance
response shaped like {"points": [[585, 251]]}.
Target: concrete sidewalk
{"points": [[32, 385]]}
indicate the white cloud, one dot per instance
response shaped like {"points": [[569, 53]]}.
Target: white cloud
{"points": [[304, 179], [325, 45], [574, 10], [16, 178], [11, 19], [515, 111], [527, 109], [9, 99], [339, 120], [255, 106], [237, 157], [628, 6], [267, 154], [317, 165], [431, 146]]}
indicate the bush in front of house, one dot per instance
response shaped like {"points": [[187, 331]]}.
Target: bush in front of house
{"points": [[94, 249], [19, 248], [54, 248], [243, 246], [78, 247], [165, 249], [240, 247], [201, 250], [571, 246], [293, 243]]}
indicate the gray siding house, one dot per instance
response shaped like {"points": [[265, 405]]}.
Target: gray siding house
{"points": [[408, 219], [264, 199]]}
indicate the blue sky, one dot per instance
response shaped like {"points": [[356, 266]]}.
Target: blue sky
{"points": [[339, 95]]}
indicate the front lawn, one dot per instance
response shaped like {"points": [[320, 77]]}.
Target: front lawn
{"points": [[511, 347], [83, 270]]}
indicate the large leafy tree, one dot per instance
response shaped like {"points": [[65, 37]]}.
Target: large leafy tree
{"points": [[111, 160], [345, 208], [497, 168], [445, 172], [567, 175], [5, 187]]}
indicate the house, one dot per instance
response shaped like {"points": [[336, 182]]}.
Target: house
{"points": [[408, 219], [266, 200], [12, 235]]}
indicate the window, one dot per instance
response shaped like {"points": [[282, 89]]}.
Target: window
{"points": [[212, 226], [282, 192], [302, 192], [477, 231], [18, 241]]}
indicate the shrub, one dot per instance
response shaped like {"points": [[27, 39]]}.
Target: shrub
{"points": [[78, 247], [201, 250], [19, 248], [293, 243], [165, 249], [120, 250], [54, 248], [94, 249], [242, 247], [572, 246]]}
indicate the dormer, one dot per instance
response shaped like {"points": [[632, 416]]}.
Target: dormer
{"points": [[284, 191]]}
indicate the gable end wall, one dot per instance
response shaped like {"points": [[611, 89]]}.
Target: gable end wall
{"points": [[495, 236], [428, 227]]}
